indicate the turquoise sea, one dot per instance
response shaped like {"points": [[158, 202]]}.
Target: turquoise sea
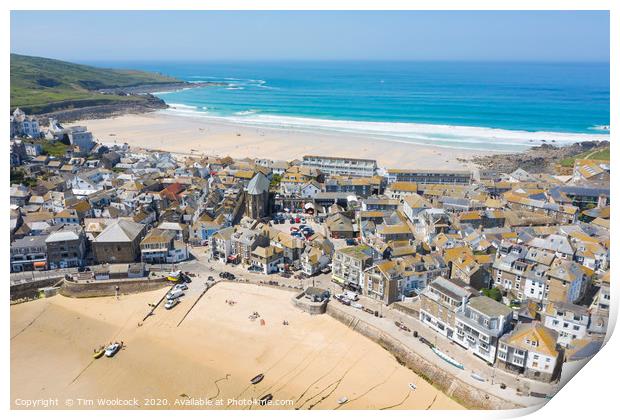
{"points": [[476, 105]]}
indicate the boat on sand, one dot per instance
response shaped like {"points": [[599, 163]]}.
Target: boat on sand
{"points": [[265, 399], [98, 352], [257, 379]]}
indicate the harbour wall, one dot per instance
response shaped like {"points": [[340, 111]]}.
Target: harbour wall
{"points": [[313, 308], [99, 288], [465, 394]]}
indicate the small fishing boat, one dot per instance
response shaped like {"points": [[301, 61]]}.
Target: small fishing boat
{"points": [[257, 379], [265, 399], [478, 377], [342, 400], [448, 358], [98, 353]]}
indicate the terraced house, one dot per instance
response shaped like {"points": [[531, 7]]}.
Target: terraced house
{"points": [[161, 246], [439, 302], [480, 322], [349, 264], [531, 350]]}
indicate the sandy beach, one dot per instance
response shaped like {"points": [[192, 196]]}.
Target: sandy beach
{"points": [[196, 135], [208, 359]]}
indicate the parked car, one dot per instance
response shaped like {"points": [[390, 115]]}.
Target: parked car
{"points": [[351, 295], [174, 294], [425, 341], [112, 349], [171, 303], [402, 326], [180, 286]]}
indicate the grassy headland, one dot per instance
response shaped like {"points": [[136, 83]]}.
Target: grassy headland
{"points": [[43, 85]]}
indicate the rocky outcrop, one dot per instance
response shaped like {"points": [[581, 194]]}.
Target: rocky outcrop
{"points": [[540, 159]]}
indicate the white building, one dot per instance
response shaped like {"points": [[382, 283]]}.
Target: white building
{"points": [[569, 320], [480, 322], [81, 137], [530, 350], [24, 126], [341, 165]]}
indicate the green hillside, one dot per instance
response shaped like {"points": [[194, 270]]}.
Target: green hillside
{"points": [[43, 85]]}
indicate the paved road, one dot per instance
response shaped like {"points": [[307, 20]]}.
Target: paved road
{"points": [[494, 376]]}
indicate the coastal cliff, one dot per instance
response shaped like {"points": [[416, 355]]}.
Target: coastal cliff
{"points": [[68, 91]]}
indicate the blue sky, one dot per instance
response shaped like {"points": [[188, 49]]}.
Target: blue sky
{"points": [[240, 35]]}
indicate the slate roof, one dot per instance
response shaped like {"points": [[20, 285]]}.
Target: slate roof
{"points": [[258, 185], [120, 231]]}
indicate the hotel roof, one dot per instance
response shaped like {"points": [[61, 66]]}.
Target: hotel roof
{"points": [[488, 306], [339, 158], [429, 171]]}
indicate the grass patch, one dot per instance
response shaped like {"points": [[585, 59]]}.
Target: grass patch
{"points": [[601, 154], [57, 149]]}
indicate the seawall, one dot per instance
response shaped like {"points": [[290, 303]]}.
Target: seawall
{"points": [[99, 288], [465, 394]]}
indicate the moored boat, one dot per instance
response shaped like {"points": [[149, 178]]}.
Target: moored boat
{"points": [[257, 379], [98, 353], [265, 399]]}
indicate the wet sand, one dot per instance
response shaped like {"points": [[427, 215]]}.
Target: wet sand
{"points": [[207, 360], [190, 134]]}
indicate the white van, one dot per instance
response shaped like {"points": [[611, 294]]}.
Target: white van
{"points": [[351, 295], [174, 294]]}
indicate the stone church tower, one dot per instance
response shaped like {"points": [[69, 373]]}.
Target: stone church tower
{"points": [[257, 202]]}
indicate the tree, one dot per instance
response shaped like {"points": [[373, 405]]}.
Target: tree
{"points": [[275, 180], [493, 293]]}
